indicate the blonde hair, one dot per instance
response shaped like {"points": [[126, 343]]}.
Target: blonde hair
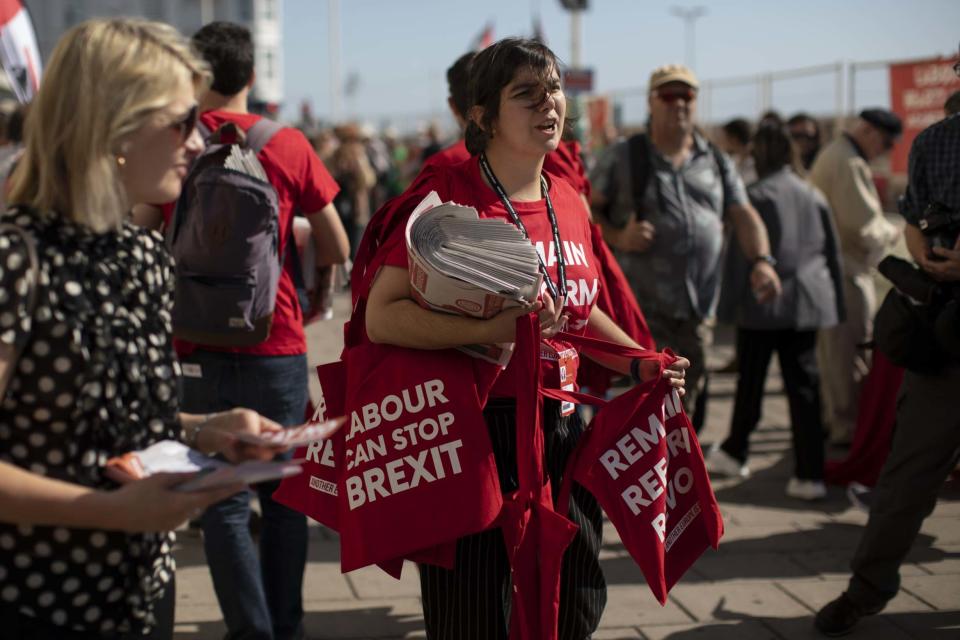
{"points": [[104, 80]]}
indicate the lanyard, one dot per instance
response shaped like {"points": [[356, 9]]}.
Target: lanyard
{"points": [[561, 265]]}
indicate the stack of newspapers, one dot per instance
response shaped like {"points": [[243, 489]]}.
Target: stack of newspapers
{"points": [[461, 263]]}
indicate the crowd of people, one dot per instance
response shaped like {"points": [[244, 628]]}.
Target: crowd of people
{"points": [[770, 228]]}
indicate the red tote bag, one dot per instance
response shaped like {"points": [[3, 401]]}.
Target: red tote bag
{"points": [[314, 491], [414, 445], [641, 459]]}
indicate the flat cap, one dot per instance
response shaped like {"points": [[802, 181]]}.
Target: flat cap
{"points": [[886, 121]]}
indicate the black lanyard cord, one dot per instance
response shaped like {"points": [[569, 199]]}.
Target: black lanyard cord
{"points": [[551, 214]]}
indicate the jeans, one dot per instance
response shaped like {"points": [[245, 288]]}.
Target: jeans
{"points": [[261, 598]]}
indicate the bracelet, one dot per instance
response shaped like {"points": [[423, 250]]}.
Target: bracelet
{"points": [[194, 435], [635, 371]]}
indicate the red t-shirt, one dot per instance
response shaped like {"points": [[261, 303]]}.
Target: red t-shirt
{"points": [[303, 185], [454, 154], [462, 183]]}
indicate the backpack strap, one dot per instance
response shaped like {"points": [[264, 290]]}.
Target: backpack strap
{"points": [[639, 152], [260, 134]]}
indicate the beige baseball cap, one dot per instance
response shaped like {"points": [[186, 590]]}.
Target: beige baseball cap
{"points": [[672, 73]]}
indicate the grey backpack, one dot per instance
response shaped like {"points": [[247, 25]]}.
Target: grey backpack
{"points": [[225, 238]]}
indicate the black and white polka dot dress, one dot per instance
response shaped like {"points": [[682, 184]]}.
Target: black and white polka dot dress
{"points": [[97, 378]]}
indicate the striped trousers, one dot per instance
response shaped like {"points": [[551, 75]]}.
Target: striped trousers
{"points": [[472, 601]]}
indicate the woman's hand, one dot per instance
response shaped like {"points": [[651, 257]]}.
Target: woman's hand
{"points": [[552, 317], [503, 326], [676, 372], [218, 434], [153, 504]]}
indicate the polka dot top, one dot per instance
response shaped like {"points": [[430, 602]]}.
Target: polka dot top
{"points": [[97, 378]]}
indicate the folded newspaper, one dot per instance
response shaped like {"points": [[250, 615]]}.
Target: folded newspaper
{"points": [[461, 263]]}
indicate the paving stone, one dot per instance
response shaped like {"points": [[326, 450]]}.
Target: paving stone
{"points": [[936, 625], [744, 630], [944, 560], [870, 628], [942, 591], [759, 566], [624, 633], [323, 581], [749, 514], [195, 587], [735, 600], [635, 606], [380, 619], [372, 582], [943, 530], [814, 594], [835, 563]]}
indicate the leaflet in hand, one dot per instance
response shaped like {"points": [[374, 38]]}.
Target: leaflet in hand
{"points": [[294, 436], [170, 456], [249, 472], [461, 263]]}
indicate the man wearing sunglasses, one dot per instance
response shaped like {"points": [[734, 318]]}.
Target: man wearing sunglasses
{"points": [[842, 172], [662, 198]]}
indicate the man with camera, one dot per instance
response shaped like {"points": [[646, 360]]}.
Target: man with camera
{"points": [[926, 438]]}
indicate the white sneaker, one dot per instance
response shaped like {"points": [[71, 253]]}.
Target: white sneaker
{"points": [[719, 462], [806, 489]]}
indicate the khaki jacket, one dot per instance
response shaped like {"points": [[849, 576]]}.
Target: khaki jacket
{"points": [[846, 180]]}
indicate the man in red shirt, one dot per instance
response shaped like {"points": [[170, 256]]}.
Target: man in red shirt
{"points": [[261, 597]]}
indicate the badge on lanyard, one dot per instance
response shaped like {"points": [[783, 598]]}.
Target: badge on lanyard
{"points": [[564, 375]]}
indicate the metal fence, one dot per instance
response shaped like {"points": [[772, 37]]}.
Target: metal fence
{"points": [[826, 91]]}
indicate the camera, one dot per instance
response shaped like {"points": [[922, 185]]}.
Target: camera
{"points": [[918, 325], [941, 225]]}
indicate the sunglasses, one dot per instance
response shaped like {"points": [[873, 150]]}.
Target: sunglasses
{"points": [[687, 95], [185, 125]]}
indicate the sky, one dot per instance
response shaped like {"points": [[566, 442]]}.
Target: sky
{"points": [[398, 50]]}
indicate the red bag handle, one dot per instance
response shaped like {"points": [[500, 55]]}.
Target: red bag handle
{"points": [[596, 344]]}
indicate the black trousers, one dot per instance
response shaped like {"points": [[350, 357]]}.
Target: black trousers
{"points": [[925, 447], [801, 377], [16, 626], [472, 601]]}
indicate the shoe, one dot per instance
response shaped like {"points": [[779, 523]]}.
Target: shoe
{"points": [[838, 618], [860, 496], [806, 489], [719, 462]]}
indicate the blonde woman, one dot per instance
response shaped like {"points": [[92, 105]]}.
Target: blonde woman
{"points": [[88, 372]]}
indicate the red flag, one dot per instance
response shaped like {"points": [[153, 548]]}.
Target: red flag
{"points": [[19, 54], [484, 39]]}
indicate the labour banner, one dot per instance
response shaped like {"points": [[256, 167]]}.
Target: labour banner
{"points": [[918, 90]]}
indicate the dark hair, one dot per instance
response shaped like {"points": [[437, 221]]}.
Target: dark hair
{"points": [[770, 117], [773, 150], [739, 130], [458, 81], [493, 69], [952, 105], [228, 48], [801, 117]]}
